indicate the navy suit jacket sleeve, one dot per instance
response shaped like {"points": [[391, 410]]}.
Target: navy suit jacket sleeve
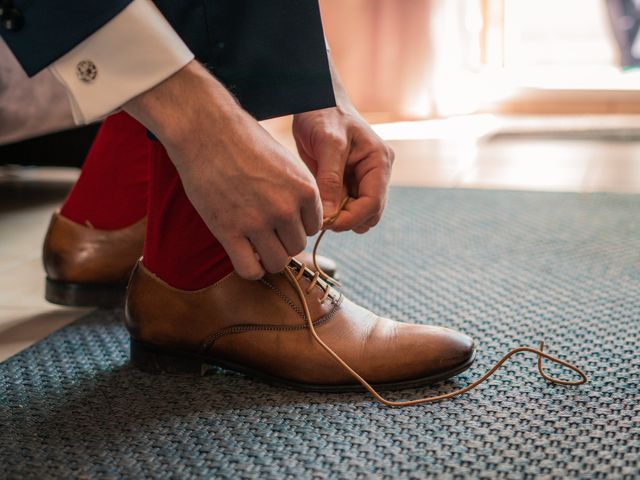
{"points": [[270, 54], [54, 27]]}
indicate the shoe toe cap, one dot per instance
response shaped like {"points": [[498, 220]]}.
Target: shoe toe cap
{"points": [[441, 351], [421, 352], [455, 350]]}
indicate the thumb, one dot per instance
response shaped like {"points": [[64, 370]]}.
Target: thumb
{"points": [[330, 178]]}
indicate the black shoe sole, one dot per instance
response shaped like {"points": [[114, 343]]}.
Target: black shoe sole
{"points": [[151, 359], [100, 295]]}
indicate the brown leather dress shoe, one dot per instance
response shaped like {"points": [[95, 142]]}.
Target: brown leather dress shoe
{"points": [[260, 328], [87, 267]]}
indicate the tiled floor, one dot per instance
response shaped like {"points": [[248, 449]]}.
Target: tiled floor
{"points": [[444, 153]]}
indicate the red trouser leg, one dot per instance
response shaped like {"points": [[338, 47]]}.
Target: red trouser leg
{"points": [[179, 248], [111, 192], [117, 188]]}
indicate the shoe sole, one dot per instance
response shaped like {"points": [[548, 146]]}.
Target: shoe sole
{"points": [[151, 359], [100, 295]]}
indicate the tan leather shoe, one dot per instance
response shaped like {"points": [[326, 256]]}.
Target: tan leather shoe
{"points": [[327, 265], [87, 267], [259, 328]]}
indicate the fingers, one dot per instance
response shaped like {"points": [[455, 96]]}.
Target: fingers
{"points": [[292, 236], [311, 214], [355, 214], [243, 257], [272, 253], [332, 153], [368, 225], [372, 177], [360, 212], [361, 229], [266, 250], [265, 243]]}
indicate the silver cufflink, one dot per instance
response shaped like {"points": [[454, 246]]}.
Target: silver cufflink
{"points": [[86, 71]]}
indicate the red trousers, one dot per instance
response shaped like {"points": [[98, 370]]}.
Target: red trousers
{"points": [[127, 176]]}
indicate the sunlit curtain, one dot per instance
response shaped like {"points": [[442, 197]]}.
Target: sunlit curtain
{"points": [[382, 49]]}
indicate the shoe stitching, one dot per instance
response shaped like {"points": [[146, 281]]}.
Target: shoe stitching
{"points": [[284, 297], [242, 328]]}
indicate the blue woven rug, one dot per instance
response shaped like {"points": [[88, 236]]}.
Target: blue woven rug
{"points": [[509, 268]]}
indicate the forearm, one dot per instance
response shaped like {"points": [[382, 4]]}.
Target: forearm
{"points": [[191, 97], [248, 189]]}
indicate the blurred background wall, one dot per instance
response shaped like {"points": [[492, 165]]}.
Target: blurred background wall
{"points": [[421, 58], [383, 51]]}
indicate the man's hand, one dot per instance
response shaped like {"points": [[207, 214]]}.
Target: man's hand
{"points": [[347, 157], [250, 191]]}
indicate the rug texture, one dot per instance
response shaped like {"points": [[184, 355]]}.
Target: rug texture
{"points": [[508, 268]]}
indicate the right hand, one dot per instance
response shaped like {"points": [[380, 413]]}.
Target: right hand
{"points": [[253, 194]]}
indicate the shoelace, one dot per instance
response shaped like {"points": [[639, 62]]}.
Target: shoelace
{"points": [[295, 278]]}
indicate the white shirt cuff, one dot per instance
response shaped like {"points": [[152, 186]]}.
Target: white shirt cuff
{"points": [[130, 54]]}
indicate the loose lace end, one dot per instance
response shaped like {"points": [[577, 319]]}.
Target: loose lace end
{"points": [[539, 352]]}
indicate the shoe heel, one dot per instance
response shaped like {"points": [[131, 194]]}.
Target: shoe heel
{"points": [[84, 295], [150, 359]]}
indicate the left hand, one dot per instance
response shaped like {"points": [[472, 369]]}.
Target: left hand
{"points": [[346, 157]]}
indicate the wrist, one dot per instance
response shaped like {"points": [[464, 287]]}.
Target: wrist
{"points": [[343, 102]]}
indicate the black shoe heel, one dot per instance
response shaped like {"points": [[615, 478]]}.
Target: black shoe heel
{"points": [[84, 295], [150, 359]]}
